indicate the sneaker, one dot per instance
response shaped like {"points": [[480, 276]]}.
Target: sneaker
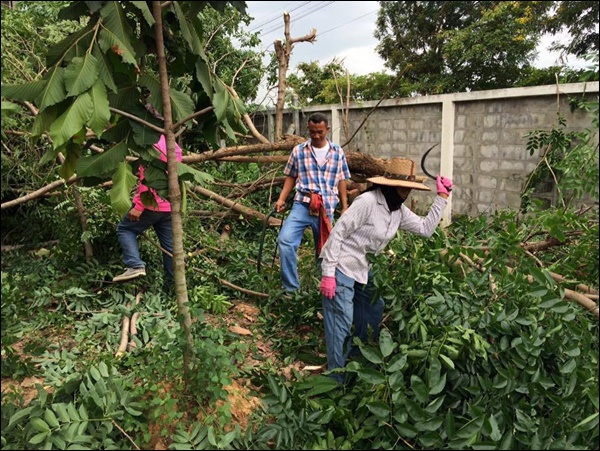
{"points": [[130, 273]]}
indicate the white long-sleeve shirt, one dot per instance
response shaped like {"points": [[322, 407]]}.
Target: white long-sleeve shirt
{"points": [[367, 227]]}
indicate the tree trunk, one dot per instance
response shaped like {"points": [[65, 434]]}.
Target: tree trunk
{"points": [[174, 198]]}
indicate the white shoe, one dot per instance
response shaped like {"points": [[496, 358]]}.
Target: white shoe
{"points": [[130, 273]]}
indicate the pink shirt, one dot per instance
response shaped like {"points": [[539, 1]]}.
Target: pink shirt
{"points": [[162, 204]]}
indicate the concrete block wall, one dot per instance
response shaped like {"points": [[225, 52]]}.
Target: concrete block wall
{"points": [[480, 138]]}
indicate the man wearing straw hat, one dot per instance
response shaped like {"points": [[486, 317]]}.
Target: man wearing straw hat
{"points": [[366, 228]]}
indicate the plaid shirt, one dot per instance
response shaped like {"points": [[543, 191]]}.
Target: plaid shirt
{"points": [[310, 178]]}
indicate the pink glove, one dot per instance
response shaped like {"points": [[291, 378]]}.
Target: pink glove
{"points": [[328, 287], [444, 185]]}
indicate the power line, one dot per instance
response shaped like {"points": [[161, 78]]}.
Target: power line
{"points": [[346, 23], [302, 15], [277, 16]]}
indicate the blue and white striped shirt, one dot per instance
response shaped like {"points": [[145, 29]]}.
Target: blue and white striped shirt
{"points": [[312, 178], [367, 227]]}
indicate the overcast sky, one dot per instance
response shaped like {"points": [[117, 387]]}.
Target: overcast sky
{"points": [[344, 31]]}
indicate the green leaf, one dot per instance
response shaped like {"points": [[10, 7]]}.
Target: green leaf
{"points": [[447, 361], [61, 410], [371, 354], [72, 121], [396, 363], [220, 101], [101, 112], [587, 424], [419, 388], [143, 7], [38, 438], [386, 344], [185, 172], [471, 429], [320, 384], [495, 434], [50, 418], [104, 69], [380, 409], [26, 91], [39, 425], [371, 376], [188, 32], [104, 163], [569, 366], [54, 91], [20, 415], [123, 182], [181, 105], [437, 388], [81, 74], [204, 77], [73, 152]]}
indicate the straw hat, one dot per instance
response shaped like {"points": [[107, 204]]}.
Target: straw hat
{"points": [[400, 172]]}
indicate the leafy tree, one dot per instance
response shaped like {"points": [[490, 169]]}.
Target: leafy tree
{"points": [[441, 47], [580, 20], [110, 77]]}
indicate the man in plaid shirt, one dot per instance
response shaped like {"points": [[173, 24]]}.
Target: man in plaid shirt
{"points": [[318, 170]]}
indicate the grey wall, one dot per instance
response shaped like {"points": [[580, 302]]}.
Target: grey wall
{"points": [[480, 137]]}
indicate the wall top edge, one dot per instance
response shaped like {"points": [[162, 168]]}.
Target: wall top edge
{"points": [[529, 91]]}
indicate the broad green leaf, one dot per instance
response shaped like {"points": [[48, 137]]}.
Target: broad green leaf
{"points": [[104, 68], [407, 430], [38, 438], [9, 108], [447, 361], [433, 372], [73, 152], [471, 429], [185, 172], [220, 101], [188, 31], [380, 409], [26, 91], [123, 182], [50, 418], [437, 388], [61, 410], [110, 43], [81, 74], [58, 51], [103, 369], [320, 384], [181, 105], [19, 415], [569, 366], [101, 112], [54, 92], [396, 363], [204, 77], [550, 303], [386, 344], [587, 424], [495, 434], [419, 388], [72, 121], [371, 376], [434, 405], [43, 120], [143, 7], [430, 425], [371, 354], [39, 425], [116, 26]]}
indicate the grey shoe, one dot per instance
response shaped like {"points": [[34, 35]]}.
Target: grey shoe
{"points": [[130, 273]]}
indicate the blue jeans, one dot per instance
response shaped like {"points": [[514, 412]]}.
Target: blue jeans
{"points": [[353, 304], [128, 231], [289, 240]]}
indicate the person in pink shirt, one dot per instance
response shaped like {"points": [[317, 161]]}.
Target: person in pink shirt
{"points": [[140, 218]]}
